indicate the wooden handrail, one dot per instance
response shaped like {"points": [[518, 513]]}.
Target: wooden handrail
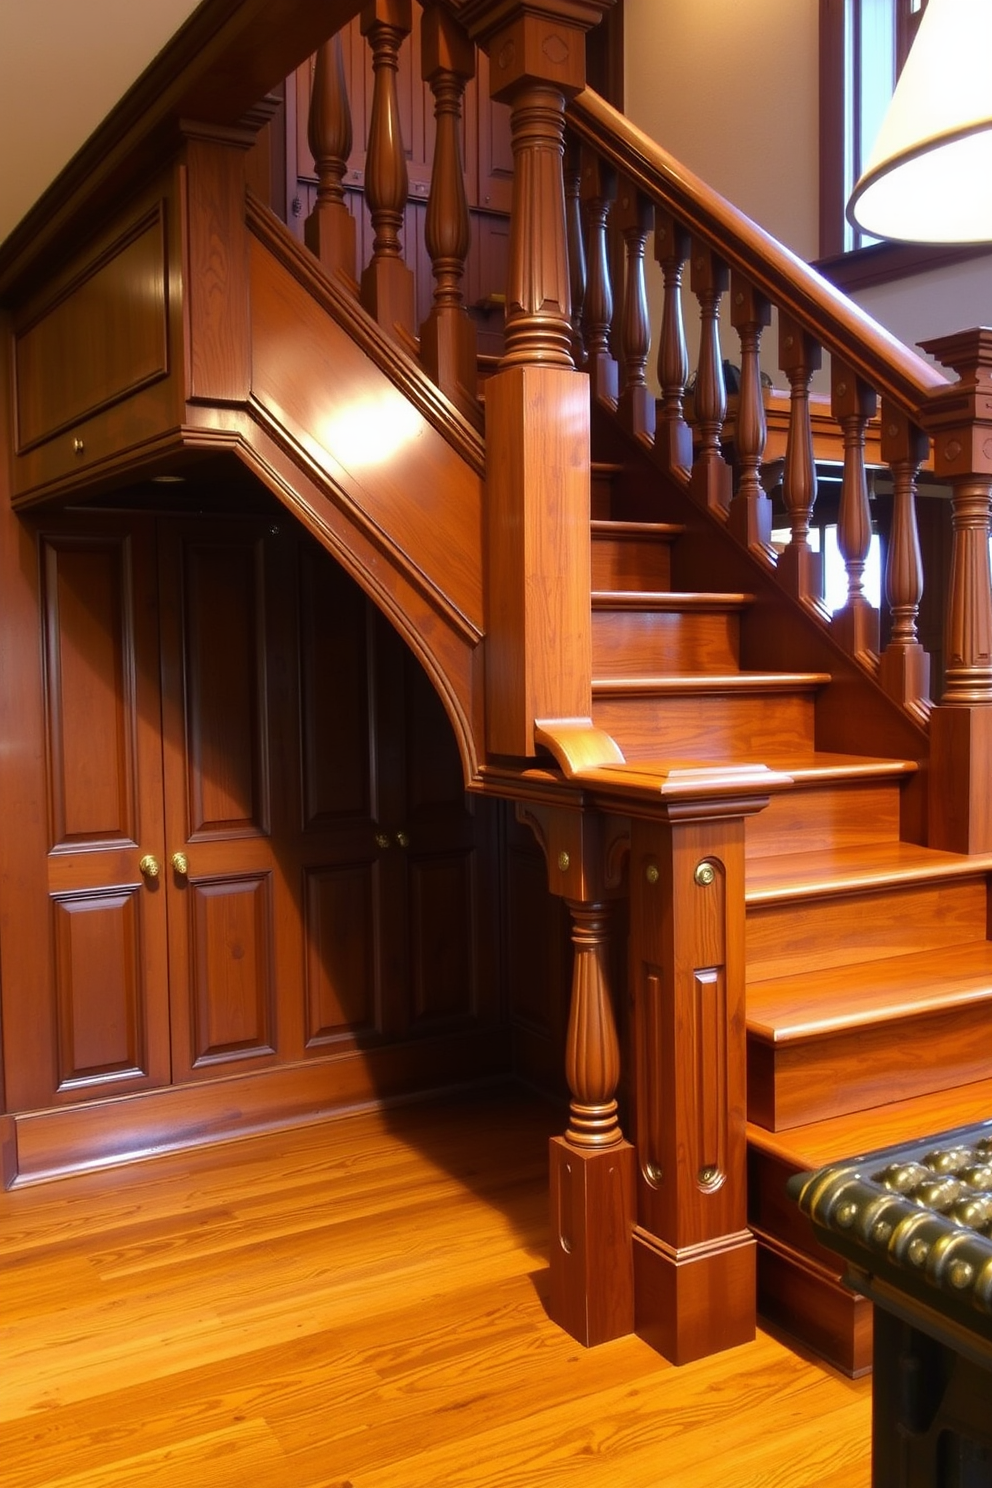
{"points": [[875, 355]]}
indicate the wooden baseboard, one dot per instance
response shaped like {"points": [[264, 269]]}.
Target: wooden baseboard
{"points": [[40, 1145], [811, 1303]]}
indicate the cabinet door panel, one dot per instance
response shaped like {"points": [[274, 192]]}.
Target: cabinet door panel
{"points": [[442, 916], [85, 974], [232, 967], [346, 995], [90, 693], [230, 746], [341, 930], [98, 986], [224, 660]]}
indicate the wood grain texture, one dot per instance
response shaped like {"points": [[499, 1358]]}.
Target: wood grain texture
{"points": [[632, 555], [359, 1302], [637, 634]]}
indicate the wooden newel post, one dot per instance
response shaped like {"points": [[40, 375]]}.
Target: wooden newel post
{"points": [[960, 423], [591, 1166], [694, 1257], [539, 630]]}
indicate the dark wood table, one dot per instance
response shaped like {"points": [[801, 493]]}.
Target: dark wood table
{"points": [[914, 1225]]}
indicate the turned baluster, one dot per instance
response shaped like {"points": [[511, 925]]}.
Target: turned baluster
{"points": [[448, 347], [592, 1050], [711, 481], [576, 244], [329, 231], [673, 439], [904, 666], [387, 283], [799, 357], [750, 510], [599, 191], [636, 406], [853, 403]]}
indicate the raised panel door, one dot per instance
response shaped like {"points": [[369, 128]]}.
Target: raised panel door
{"points": [[85, 978], [229, 757]]}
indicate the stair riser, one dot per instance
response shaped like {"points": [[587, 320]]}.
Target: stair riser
{"points": [[707, 727], [812, 1079], [799, 1281], [626, 563], [842, 815], [638, 643], [784, 939]]}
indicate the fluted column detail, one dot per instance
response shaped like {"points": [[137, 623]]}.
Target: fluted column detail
{"points": [[538, 297], [592, 1050]]}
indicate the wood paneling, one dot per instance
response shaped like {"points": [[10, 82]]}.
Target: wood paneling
{"points": [[85, 984], [116, 308], [221, 698]]}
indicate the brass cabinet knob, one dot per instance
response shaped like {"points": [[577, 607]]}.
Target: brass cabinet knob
{"points": [[180, 863], [382, 839], [149, 866], [402, 840]]}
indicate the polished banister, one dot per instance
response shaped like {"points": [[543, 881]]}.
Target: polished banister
{"points": [[789, 283]]}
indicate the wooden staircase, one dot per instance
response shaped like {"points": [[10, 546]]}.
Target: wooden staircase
{"points": [[699, 722], [869, 970]]}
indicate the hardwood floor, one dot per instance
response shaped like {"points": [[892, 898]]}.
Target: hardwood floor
{"points": [[359, 1304]]}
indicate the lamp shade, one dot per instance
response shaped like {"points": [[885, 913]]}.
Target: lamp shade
{"points": [[929, 176]]}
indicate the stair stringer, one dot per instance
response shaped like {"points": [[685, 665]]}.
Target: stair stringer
{"points": [[359, 445]]}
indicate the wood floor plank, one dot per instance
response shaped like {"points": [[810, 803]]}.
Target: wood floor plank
{"points": [[362, 1303]]}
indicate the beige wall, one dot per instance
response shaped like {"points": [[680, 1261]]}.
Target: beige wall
{"points": [[730, 88]]}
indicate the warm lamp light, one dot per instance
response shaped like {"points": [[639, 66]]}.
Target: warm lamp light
{"points": [[929, 176]]}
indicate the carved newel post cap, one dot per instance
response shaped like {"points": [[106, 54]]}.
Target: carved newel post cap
{"points": [[536, 41]]}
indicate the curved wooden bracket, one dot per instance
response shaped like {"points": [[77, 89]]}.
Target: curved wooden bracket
{"points": [[577, 745]]}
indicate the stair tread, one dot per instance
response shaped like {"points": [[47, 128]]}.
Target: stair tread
{"points": [[823, 767], [668, 600], [797, 876], [711, 682], [836, 999], [840, 1137], [602, 527]]}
